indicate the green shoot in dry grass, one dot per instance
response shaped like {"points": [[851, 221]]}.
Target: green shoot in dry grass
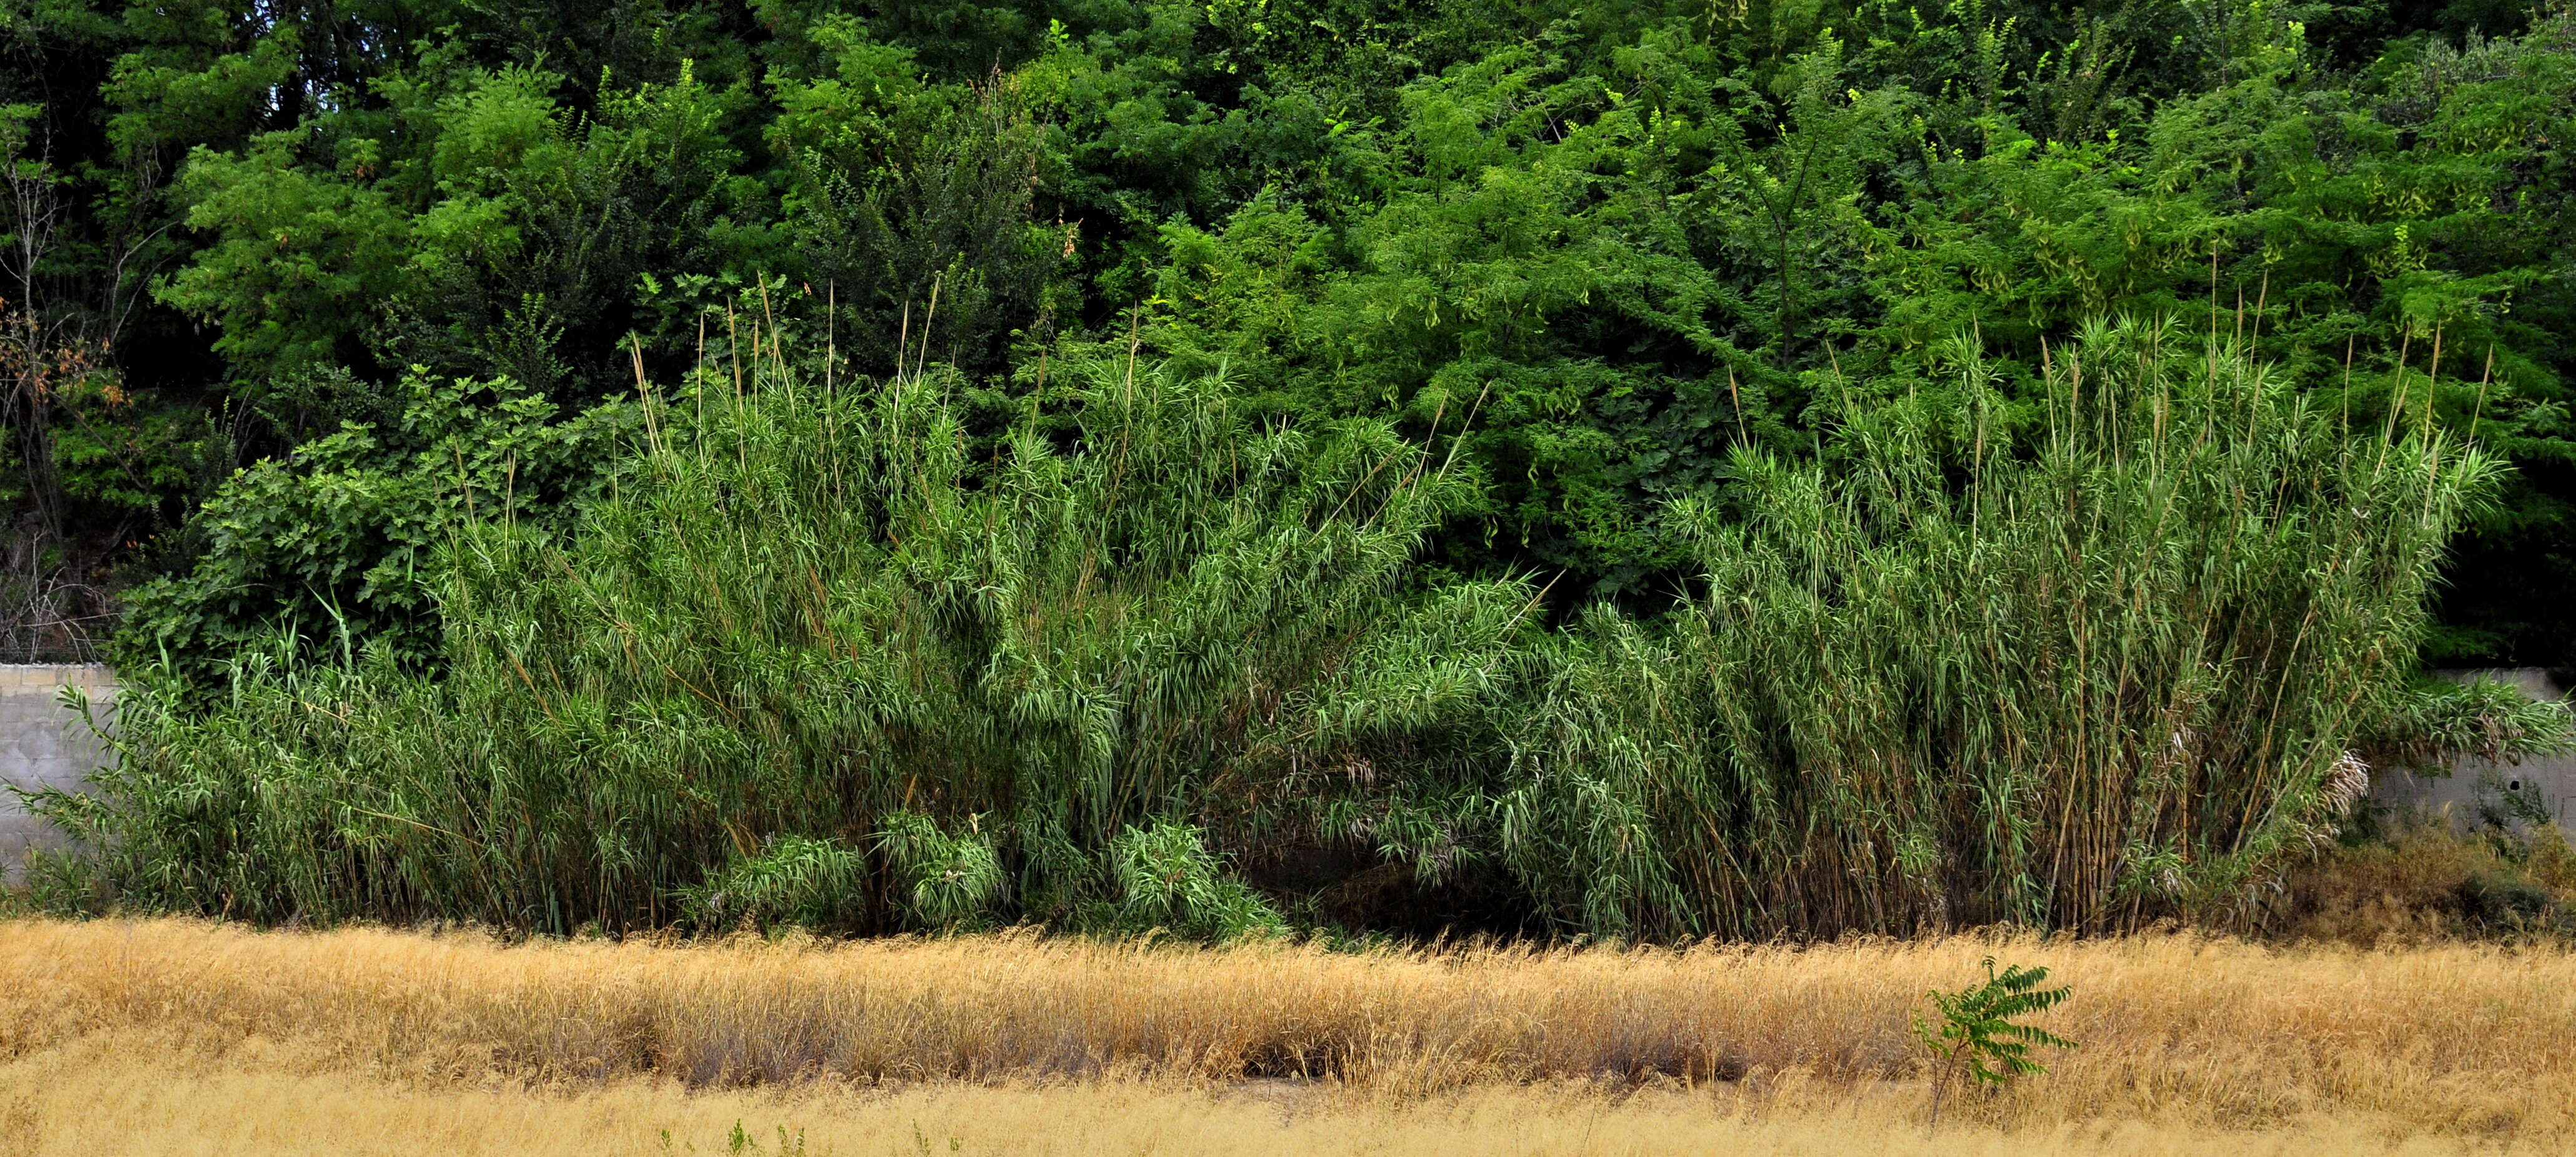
{"points": [[1976, 1036]]}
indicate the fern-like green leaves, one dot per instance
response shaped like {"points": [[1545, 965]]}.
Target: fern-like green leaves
{"points": [[1978, 1033]]}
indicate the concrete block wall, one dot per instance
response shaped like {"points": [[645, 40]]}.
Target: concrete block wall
{"points": [[43, 744], [2549, 784]]}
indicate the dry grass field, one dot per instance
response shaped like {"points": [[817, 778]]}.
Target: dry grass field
{"points": [[178, 1037]]}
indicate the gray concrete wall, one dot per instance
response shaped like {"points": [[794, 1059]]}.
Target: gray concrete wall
{"points": [[43, 744], [2549, 784]]}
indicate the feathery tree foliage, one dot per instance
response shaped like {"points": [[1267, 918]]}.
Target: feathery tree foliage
{"points": [[1639, 232]]}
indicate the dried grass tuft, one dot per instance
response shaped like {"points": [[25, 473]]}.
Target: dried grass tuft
{"points": [[2452, 1038]]}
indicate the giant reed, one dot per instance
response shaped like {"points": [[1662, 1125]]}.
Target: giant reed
{"points": [[815, 631], [2084, 655], [2108, 671]]}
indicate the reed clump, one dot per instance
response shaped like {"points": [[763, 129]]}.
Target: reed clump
{"points": [[2182, 1028], [1124, 654], [2082, 659], [846, 657]]}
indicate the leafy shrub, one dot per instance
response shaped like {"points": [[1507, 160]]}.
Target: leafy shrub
{"points": [[2506, 901], [340, 543]]}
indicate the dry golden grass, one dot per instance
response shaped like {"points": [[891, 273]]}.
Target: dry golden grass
{"points": [[113, 1024], [113, 1095]]}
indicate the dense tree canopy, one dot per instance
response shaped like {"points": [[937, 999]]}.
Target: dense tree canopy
{"points": [[284, 281]]}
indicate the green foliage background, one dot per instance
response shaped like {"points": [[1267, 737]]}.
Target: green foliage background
{"points": [[1624, 237]]}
